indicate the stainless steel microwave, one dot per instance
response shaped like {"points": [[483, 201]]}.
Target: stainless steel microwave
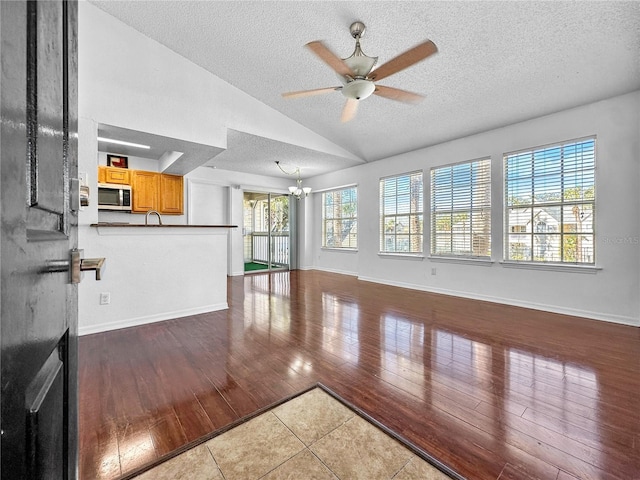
{"points": [[112, 196]]}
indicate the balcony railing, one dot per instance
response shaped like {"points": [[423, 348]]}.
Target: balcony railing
{"points": [[257, 248]]}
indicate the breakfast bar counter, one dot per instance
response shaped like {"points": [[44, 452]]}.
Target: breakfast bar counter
{"points": [[153, 273], [154, 225]]}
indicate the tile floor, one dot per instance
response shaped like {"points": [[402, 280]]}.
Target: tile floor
{"points": [[310, 437]]}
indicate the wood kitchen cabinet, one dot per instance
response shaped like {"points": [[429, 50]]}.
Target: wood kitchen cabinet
{"points": [[145, 187], [120, 176], [171, 194], [157, 191]]}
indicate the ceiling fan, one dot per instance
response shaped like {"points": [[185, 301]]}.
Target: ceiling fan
{"points": [[357, 74]]}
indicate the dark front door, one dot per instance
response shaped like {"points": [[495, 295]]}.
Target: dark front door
{"points": [[38, 160]]}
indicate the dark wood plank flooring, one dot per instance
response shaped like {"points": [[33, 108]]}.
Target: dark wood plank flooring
{"points": [[493, 391]]}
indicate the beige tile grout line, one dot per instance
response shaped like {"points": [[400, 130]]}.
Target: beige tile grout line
{"points": [[306, 447]]}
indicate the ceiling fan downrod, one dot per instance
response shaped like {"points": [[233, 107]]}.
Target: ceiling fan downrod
{"points": [[359, 86]]}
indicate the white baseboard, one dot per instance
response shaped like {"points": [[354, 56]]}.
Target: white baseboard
{"points": [[134, 322], [605, 317], [236, 274], [334, 270]]}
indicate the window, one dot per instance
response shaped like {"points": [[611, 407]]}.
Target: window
{"points": [[401, 219], [461, 209], [550, 203], [340, 218]]}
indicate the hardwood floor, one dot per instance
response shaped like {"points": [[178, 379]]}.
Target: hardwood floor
{"points": [[490, 390]]}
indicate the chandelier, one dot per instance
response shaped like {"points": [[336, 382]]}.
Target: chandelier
{"points": [[296, 190]]}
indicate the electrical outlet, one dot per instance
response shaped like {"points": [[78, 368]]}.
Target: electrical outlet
{"points": [[433, 271], [105, 298]]}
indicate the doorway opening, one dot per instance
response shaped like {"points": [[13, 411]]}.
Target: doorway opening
{"points": [[267, 232]]}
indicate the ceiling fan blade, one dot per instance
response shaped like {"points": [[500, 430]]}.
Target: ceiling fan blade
{"points": [[310, 93], [349, 110], [397, 94], [330, 58], [404, 60]]}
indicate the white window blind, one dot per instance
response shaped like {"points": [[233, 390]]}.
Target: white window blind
{"points": [[340, 218], [550, 203], [461, 209], [401, 214]]}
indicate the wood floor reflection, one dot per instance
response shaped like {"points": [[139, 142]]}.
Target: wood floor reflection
{"points": [[492, 391]]}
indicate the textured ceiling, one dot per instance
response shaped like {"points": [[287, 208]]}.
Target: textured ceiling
{"points": [[191, 154], [498, 62], [250, 154]]}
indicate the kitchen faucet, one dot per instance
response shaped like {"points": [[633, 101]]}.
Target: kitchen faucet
{"points": [[146, 217]]}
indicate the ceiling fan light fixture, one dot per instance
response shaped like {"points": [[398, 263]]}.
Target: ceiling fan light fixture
{"points": [[358, 89], [357, 73], [359, 63]]}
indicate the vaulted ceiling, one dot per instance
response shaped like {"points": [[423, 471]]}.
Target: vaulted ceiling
{"points": [[497, 63]]}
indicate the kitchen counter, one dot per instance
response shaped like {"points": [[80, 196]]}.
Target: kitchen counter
{"points": [[155, 225]]}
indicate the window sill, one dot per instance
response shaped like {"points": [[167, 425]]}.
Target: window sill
{"points": [[555, 267], [345, 250], [408, 256], [484, 262]]}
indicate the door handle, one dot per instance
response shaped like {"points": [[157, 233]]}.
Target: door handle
{"points": [[96, 264], [79, 264]]}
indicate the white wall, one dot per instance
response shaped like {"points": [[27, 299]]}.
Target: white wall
{"points": [[130, 81], [224, 188], [152, 275], [208, 202], [608, 294]]}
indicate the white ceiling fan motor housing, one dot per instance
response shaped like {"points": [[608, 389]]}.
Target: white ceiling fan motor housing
{"points": [[358, 89]]}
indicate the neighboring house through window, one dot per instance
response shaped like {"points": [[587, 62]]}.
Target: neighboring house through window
{"points": [[550, 203], [401, 214], [340, 218], [461, 209]]}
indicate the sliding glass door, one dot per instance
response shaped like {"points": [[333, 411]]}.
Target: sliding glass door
{"points": [[267, 232]]}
